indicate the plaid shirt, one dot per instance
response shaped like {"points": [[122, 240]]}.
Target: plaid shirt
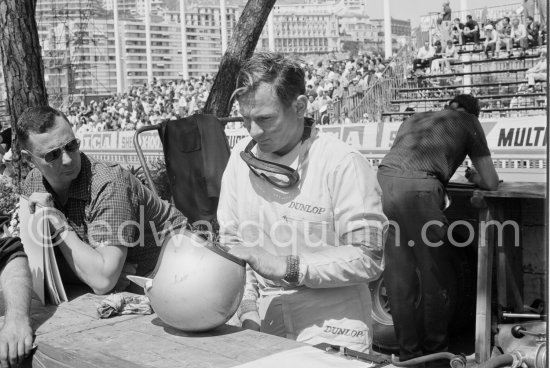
{"points": [[109, 206]]}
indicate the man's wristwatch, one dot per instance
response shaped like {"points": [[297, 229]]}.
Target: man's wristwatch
{"points": [[292, 274]]}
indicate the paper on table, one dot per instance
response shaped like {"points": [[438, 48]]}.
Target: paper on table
{"points": [[305, 357]]}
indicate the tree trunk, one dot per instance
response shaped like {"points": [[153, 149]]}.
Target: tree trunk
{"points": [[21, 62], [241, 47]]}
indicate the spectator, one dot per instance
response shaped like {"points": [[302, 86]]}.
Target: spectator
{"points": [[457, 29], [347, 120], [519, 36], [504, 36], [323, 116], [338, 92], [471, 30], [312, 107], [538, 72], [424, 56], [533, 30], [491, 38], [445, 21], [450, 54]]}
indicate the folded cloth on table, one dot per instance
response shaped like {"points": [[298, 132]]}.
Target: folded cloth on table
{"points": [[118, 304]]}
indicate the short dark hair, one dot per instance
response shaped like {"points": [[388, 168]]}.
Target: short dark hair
{"points": [[507, 19], [468, 16], [38, 119], [468, 103], [530, 18], [285, 74]]}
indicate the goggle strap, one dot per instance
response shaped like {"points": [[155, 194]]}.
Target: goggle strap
{"points": [[266, 165]]}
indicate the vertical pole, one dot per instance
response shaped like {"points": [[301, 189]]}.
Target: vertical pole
{"points": [[387, 29], [118, 61], [223, 18], [185, 66], [463, 10], [148, 41], [271, 31]]}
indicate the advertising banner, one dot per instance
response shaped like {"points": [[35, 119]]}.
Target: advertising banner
{"points": [[511, 138]]}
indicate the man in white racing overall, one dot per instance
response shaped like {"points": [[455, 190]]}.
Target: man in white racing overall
{"points": [[310, 229]]}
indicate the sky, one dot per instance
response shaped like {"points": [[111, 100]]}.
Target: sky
{"points": [[414, 9]]}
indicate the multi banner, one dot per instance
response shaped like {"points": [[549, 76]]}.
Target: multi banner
{"points": [[514, 142]]}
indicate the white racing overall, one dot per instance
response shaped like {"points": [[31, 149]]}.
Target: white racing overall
{"points": [[332, 220], [339, 316]]}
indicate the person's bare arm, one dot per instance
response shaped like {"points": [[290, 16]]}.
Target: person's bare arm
{"points": [[99, 268], [484, 174], [16, 336]]}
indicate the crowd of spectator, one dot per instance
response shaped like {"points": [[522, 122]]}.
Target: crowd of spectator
{"points": [[142, 105], [328, 83], [498, 35]]}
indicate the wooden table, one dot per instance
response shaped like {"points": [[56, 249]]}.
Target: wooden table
{"points": [[72, 335], [491, 206]]}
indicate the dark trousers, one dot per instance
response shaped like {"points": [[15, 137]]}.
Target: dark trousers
{"points": [[410, 201], [419, 63], [474, 36]]}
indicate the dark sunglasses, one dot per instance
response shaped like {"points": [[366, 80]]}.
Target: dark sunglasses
{"points": [[72, 146]]}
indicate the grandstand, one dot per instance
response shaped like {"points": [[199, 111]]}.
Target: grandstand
{"points": [[496, 82], [501, 86]]}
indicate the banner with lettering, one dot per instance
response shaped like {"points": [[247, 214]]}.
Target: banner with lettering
{"points": [[508, 138]]}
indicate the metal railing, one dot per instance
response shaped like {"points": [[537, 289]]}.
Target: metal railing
{"points": [[370, 104]]}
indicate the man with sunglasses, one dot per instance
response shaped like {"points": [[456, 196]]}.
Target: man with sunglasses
{"points": [[108, 224], [303, 209], [428, 149]]}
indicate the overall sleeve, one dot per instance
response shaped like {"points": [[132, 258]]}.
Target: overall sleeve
{"points": [[229, 221], [360, 225]]}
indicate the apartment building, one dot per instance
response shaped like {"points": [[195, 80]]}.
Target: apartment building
{"points": [[309, 28]]}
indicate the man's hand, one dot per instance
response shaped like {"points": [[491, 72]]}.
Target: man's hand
{"points": [[267, 265], [16, 338], [249, 324], [472, 175], [41, 199]]}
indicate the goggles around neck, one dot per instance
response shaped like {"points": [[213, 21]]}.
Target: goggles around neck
{"points": [[279, 175]]}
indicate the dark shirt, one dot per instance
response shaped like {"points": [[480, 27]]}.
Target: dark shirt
{"points": [[446, 13], [456, 28], [10, 248], [533, 29], [437, 143], [6, 138], [471, 25], [107, 204]]}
